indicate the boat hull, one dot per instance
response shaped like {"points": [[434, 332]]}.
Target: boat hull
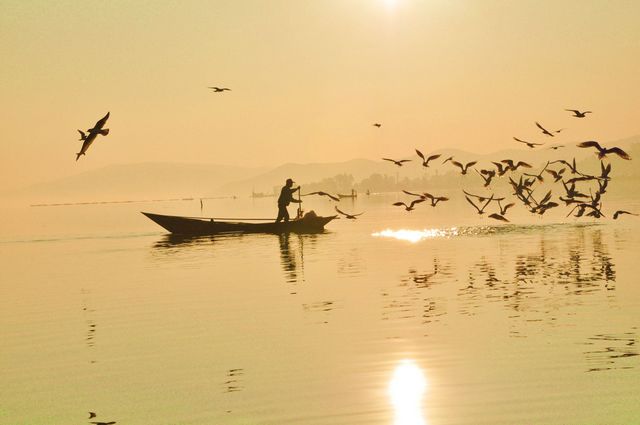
{"points": [[205, 226]]}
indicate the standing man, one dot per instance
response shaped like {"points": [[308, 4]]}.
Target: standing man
{"points": [[285, 198]]}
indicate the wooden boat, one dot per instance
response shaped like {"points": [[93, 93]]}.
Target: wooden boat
{"points": [[352, 195], [309, 223], [262, 195]]}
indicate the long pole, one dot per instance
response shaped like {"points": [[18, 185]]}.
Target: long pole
{"points": [[230, 218]]}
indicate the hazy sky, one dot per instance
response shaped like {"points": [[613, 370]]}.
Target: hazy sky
{"points": [[308, 78]]}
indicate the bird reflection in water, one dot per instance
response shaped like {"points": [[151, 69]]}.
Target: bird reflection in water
{"points": [[411, 299], [406, 390], [612, 351], [579, 264], [91, 324]]}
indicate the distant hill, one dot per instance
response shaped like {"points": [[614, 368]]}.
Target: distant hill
{"points": [[137, 181], [361, 169], [166, 180], [304, 173]]}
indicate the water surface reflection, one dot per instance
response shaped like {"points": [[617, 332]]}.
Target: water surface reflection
{"points": [[609, 351], [558, 268], [406, 390], [290, 248]]}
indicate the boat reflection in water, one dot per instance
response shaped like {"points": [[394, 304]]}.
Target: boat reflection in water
{"points": [[288, 258], [291, 248], [406, 391]]}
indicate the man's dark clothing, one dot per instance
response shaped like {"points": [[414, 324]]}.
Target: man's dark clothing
{"points": [[283, 214], [286, 197]]}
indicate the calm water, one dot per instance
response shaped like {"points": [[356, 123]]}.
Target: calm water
{"points": [[432, 317]]}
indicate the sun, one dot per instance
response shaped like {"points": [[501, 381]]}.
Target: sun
{"points": [[390, 4]]}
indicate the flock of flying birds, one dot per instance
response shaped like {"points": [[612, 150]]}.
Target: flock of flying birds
{"points": [[524, 186]]}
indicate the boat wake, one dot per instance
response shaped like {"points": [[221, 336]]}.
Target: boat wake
{"points": [[417, 235]]}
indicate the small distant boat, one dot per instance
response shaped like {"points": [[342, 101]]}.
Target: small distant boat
{"points": [[309, 223], [262, 195], [353, 195]]}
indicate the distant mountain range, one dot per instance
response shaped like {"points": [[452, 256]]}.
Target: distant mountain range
{"points": [[167, 180], [136, 181], [363, 168]]}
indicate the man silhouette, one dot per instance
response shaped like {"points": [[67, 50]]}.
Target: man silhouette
{"points": [[285, 198]]}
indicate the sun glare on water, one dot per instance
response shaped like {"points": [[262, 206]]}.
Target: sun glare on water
{"points": [[406, 390], [414, 236]]}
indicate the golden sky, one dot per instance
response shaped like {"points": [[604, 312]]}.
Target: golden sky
{"points": [[308, 78]]}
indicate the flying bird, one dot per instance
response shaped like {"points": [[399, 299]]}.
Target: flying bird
{"points": [[335, 198], [377, 124], [572, 165], [448, 159], [620, 212], [464, 168], [514, 167], [544, 204], [569, 201], [415, 194], [595, 211], [543, 207], [539, 175], [92, 415], [409, 207], [602, 186], [436, 199], [581, 209], [578, 114], [503, 210], [399, 162], [487, 176], [349, 216], [582, 178], [480, 210], [219, 89], [602, 151], [497, 216], [604, 171], [547, 132], [518, 186], [482, 198], [557, 175], [425, 162], [92, 134], [424, 196], [530, 144], [103, 423], [502, 170], [556, 147]]}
